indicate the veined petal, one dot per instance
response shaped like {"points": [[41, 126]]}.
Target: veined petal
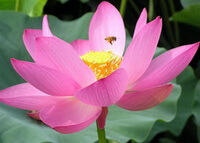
{"points": [[45, 27], [107, 22], [106, 91], [142, 21], [78, 127], [145, 99], [81, 46], [167, 66], [69, 112], [29, 37], [23, 89], [141, 50], [25, 96], [46, 79], [58, 54]]}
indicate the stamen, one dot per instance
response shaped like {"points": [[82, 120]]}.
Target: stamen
{"points": [[102, 63]]}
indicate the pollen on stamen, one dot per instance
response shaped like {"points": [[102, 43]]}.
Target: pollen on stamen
{"points": [[102, 63]]}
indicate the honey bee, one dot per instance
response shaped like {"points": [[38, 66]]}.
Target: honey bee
{"points": [[111, 39]]}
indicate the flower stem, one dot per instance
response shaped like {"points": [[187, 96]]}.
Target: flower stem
{"points": [[123, 7], [17, 5], [101, 122], [176, 27], [151, 10], [101, 135], [168, 28]]}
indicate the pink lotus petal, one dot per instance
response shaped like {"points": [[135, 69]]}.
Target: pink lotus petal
{"points": [[69, 112], [46, 79], [141, 50], [167, 66], [29, 37], [45, 27], [81, 46], [145, 99], [106, 91], [23, 89], [34, 115], [78, 127], [142, 21], [27, 97], [107, 22], [59, 55]]}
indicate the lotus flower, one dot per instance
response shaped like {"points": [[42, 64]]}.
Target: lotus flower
{"points": [[70, 85]]}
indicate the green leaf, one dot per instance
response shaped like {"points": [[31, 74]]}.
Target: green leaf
{"points": [[122, 125], [186, 3], [32, 7], [29, 7], [196, 108], [189, 15], [7, 4], [159, 51], [187, 80]]}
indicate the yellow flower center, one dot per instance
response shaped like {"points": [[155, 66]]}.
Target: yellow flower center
{"points": [[102, 63]]}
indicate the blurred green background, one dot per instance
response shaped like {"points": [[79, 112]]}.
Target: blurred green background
{"points": [[177, 120]]}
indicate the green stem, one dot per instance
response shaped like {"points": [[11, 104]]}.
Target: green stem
{"points": [[17, 5], [168, 27], [123, 7], [134, 6], [175, 24], [101, 135], [151, 8]]}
